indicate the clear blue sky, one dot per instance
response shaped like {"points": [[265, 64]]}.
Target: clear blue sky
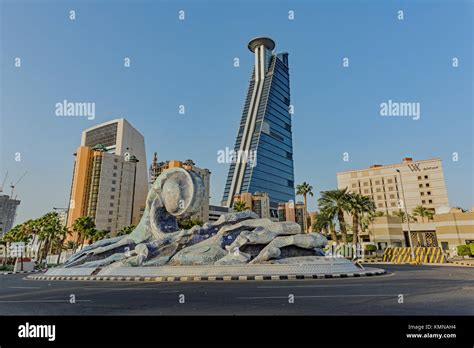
{"points": [[191, 62]]}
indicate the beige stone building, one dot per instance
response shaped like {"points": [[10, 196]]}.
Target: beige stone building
{"points": [[290, 211], [446, 230], [258, 202], [423, 184]]}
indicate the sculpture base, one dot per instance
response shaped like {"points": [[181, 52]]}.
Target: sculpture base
{"points": [[300, 268]]}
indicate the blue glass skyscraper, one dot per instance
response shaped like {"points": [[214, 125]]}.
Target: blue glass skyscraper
{"points": [[264, 147]]}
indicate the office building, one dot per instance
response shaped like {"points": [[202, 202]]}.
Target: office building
{"points": [[263, 151], [8, 208], [156, 168], [423, 184], [110, 176]]}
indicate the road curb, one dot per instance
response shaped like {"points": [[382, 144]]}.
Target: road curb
{"points": [[210, 278], [468, 264], [24, 272]]}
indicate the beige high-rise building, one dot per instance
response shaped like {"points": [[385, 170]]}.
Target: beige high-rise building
{"points": [[423, 184], [110, 176]]}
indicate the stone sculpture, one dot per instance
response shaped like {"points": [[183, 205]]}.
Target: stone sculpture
{"points": [[236, 238]]}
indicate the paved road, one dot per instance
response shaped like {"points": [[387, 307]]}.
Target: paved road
{"points": [[427, 290]]}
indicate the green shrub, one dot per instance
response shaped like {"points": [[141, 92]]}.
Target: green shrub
{"points": [[370, 247], [472, 248], [464, 250]]}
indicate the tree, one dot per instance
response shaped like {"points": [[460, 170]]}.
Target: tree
{"points": [[402, 215], [83, 227], [97, 235], [239, 206], [126, 230], [335, 203], [304, 189], [51, 232], [359, 205], [423, 212], [324, 222]]}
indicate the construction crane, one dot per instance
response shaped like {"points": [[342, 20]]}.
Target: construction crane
{"points": [[3, 182], [14, 185]]}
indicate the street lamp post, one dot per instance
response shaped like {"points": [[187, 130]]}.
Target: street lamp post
{"points": [[406, 214]]}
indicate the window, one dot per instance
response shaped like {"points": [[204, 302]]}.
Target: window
{"points": [[113, 182], [111, 205], [379, 190], [113, 189], [389, 181], [426, 176], [109, 220], [115, 167], [289, 155], [379, 197], [423, 202], [427, 185], [420, 185], [354, 185], [111, 212], [377, 182], [428, 193], [392, 196], [380, 205], [419, 178], [366, 183], [430, 201], [390, 188], [366, 191], [422, 193], [115, 160], [393, 204], [445, 245], [291, 183], [114, 175], [112, 197]]}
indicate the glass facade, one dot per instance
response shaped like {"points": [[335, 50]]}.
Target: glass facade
{"points": [[265, 132]]}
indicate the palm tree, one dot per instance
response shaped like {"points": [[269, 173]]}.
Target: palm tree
{"points": [[83, 227], [359, 205], [335, 203], [304, 189], [239, 206], [126, 230], [402, 215], [97, 235], [423, 212], [324, 222]]}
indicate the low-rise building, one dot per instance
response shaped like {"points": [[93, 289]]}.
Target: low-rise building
{"points": [[258, 202], [446, 230], [215, 212], [290, 211]]}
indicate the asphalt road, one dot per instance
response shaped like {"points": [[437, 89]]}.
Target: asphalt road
{"points": [[426, 290]]}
